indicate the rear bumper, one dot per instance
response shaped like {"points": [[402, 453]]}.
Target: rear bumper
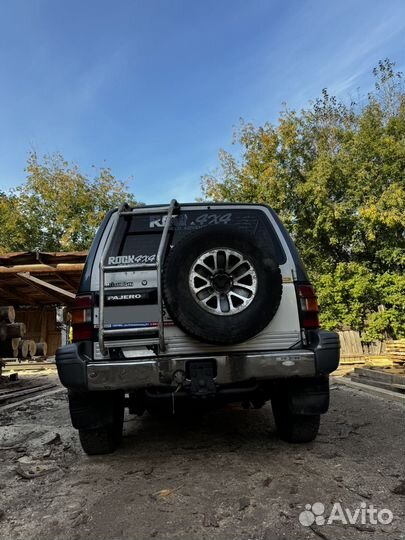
{"points": [[77, 370]]}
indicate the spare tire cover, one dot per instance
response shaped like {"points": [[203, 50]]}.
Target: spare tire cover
{"points": [[221, 285]]}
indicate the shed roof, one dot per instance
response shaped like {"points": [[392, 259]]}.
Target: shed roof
{"points": [[40, 278]]}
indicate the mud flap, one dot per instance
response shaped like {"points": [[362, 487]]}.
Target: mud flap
{"points": [[93, 410], [310, 397], [303, 396]]}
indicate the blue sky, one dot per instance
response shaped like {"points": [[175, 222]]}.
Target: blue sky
{"points": [[154, 88]]}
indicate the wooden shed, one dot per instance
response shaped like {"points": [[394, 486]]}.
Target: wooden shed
{"points": [[37, 284]]}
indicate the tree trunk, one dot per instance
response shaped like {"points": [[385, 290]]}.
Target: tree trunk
{"points": [[16, 330], [42, 349], [23, 348], [7, 314], [9, 348], [3, 332], [32, 348]]}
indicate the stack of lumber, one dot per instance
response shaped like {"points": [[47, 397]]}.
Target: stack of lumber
{"points": [[396, 351], [42, 348], [27, 348], [388, 379], [378, 361], [10, 332], [12, 338]]}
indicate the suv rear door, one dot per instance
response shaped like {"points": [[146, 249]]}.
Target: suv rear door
{"points": [[131, 297]]}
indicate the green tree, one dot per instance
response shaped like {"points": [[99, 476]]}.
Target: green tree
{"points": [[335, 173], [58, 208], [11, 223]]}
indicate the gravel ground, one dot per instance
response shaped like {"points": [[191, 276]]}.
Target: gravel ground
{"points": [[224, 476]]}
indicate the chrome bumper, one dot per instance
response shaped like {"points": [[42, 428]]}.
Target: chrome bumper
{"points": [[128, 374], [78, 371]]}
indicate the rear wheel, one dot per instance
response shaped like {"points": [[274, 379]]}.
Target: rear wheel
{"points": [[295, 428], [99, 418], [98, 441]]}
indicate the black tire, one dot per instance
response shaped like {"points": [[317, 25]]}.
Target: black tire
{"points": [[206, 326], [105, 438], [295, 428], [98, 441]]}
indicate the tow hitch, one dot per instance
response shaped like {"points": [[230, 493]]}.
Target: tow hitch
{"points": [[201, 373]]}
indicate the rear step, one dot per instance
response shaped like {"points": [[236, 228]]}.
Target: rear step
{"points": [[140, 342], [136, 335]]}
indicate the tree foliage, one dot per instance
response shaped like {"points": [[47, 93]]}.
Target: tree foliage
{"points": [[58, 208], [335, 173]]}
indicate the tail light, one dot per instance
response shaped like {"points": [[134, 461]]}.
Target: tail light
{"points": [[308, 306], [82, 318]]}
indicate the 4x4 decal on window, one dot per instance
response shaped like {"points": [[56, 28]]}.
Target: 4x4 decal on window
{"points": [[131, 259], [212, 219], [183, 222]]}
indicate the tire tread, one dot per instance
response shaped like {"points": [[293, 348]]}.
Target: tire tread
{"points": [[98, 441], [296, 428]]}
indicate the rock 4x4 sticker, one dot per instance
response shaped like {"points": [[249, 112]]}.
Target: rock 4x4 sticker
{"points": [[158, 222], [131, 259], [183, 221]]}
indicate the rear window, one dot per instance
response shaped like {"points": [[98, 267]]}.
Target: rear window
{"points": [[138, 236]]}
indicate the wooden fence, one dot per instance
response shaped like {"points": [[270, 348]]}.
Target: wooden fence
{"points": [[353, 351]]}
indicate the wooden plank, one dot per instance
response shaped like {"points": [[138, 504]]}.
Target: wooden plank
{"points": [[342, 344], [43, 335], [53, 334], [357, 341], [387, 394], [7, 291], [345, 349], [378, 384], [349, 348], [30, 399], [70, 282], [381, 375], [395, 350], [378, 363], [51, 297], [47, 285], [374, 347], [350, 342], [31, 365], [352, 362], [41, 268], [21, 393]]}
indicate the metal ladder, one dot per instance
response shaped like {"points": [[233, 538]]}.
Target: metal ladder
{"points": [[157, 333]]}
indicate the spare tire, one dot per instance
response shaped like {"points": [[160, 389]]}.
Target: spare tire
{"points": [[221, 285]]}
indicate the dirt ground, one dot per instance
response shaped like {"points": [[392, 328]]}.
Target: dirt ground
{"points": [[224, 476]]}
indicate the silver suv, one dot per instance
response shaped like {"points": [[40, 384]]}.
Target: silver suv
{"points": [[189, 306]]}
